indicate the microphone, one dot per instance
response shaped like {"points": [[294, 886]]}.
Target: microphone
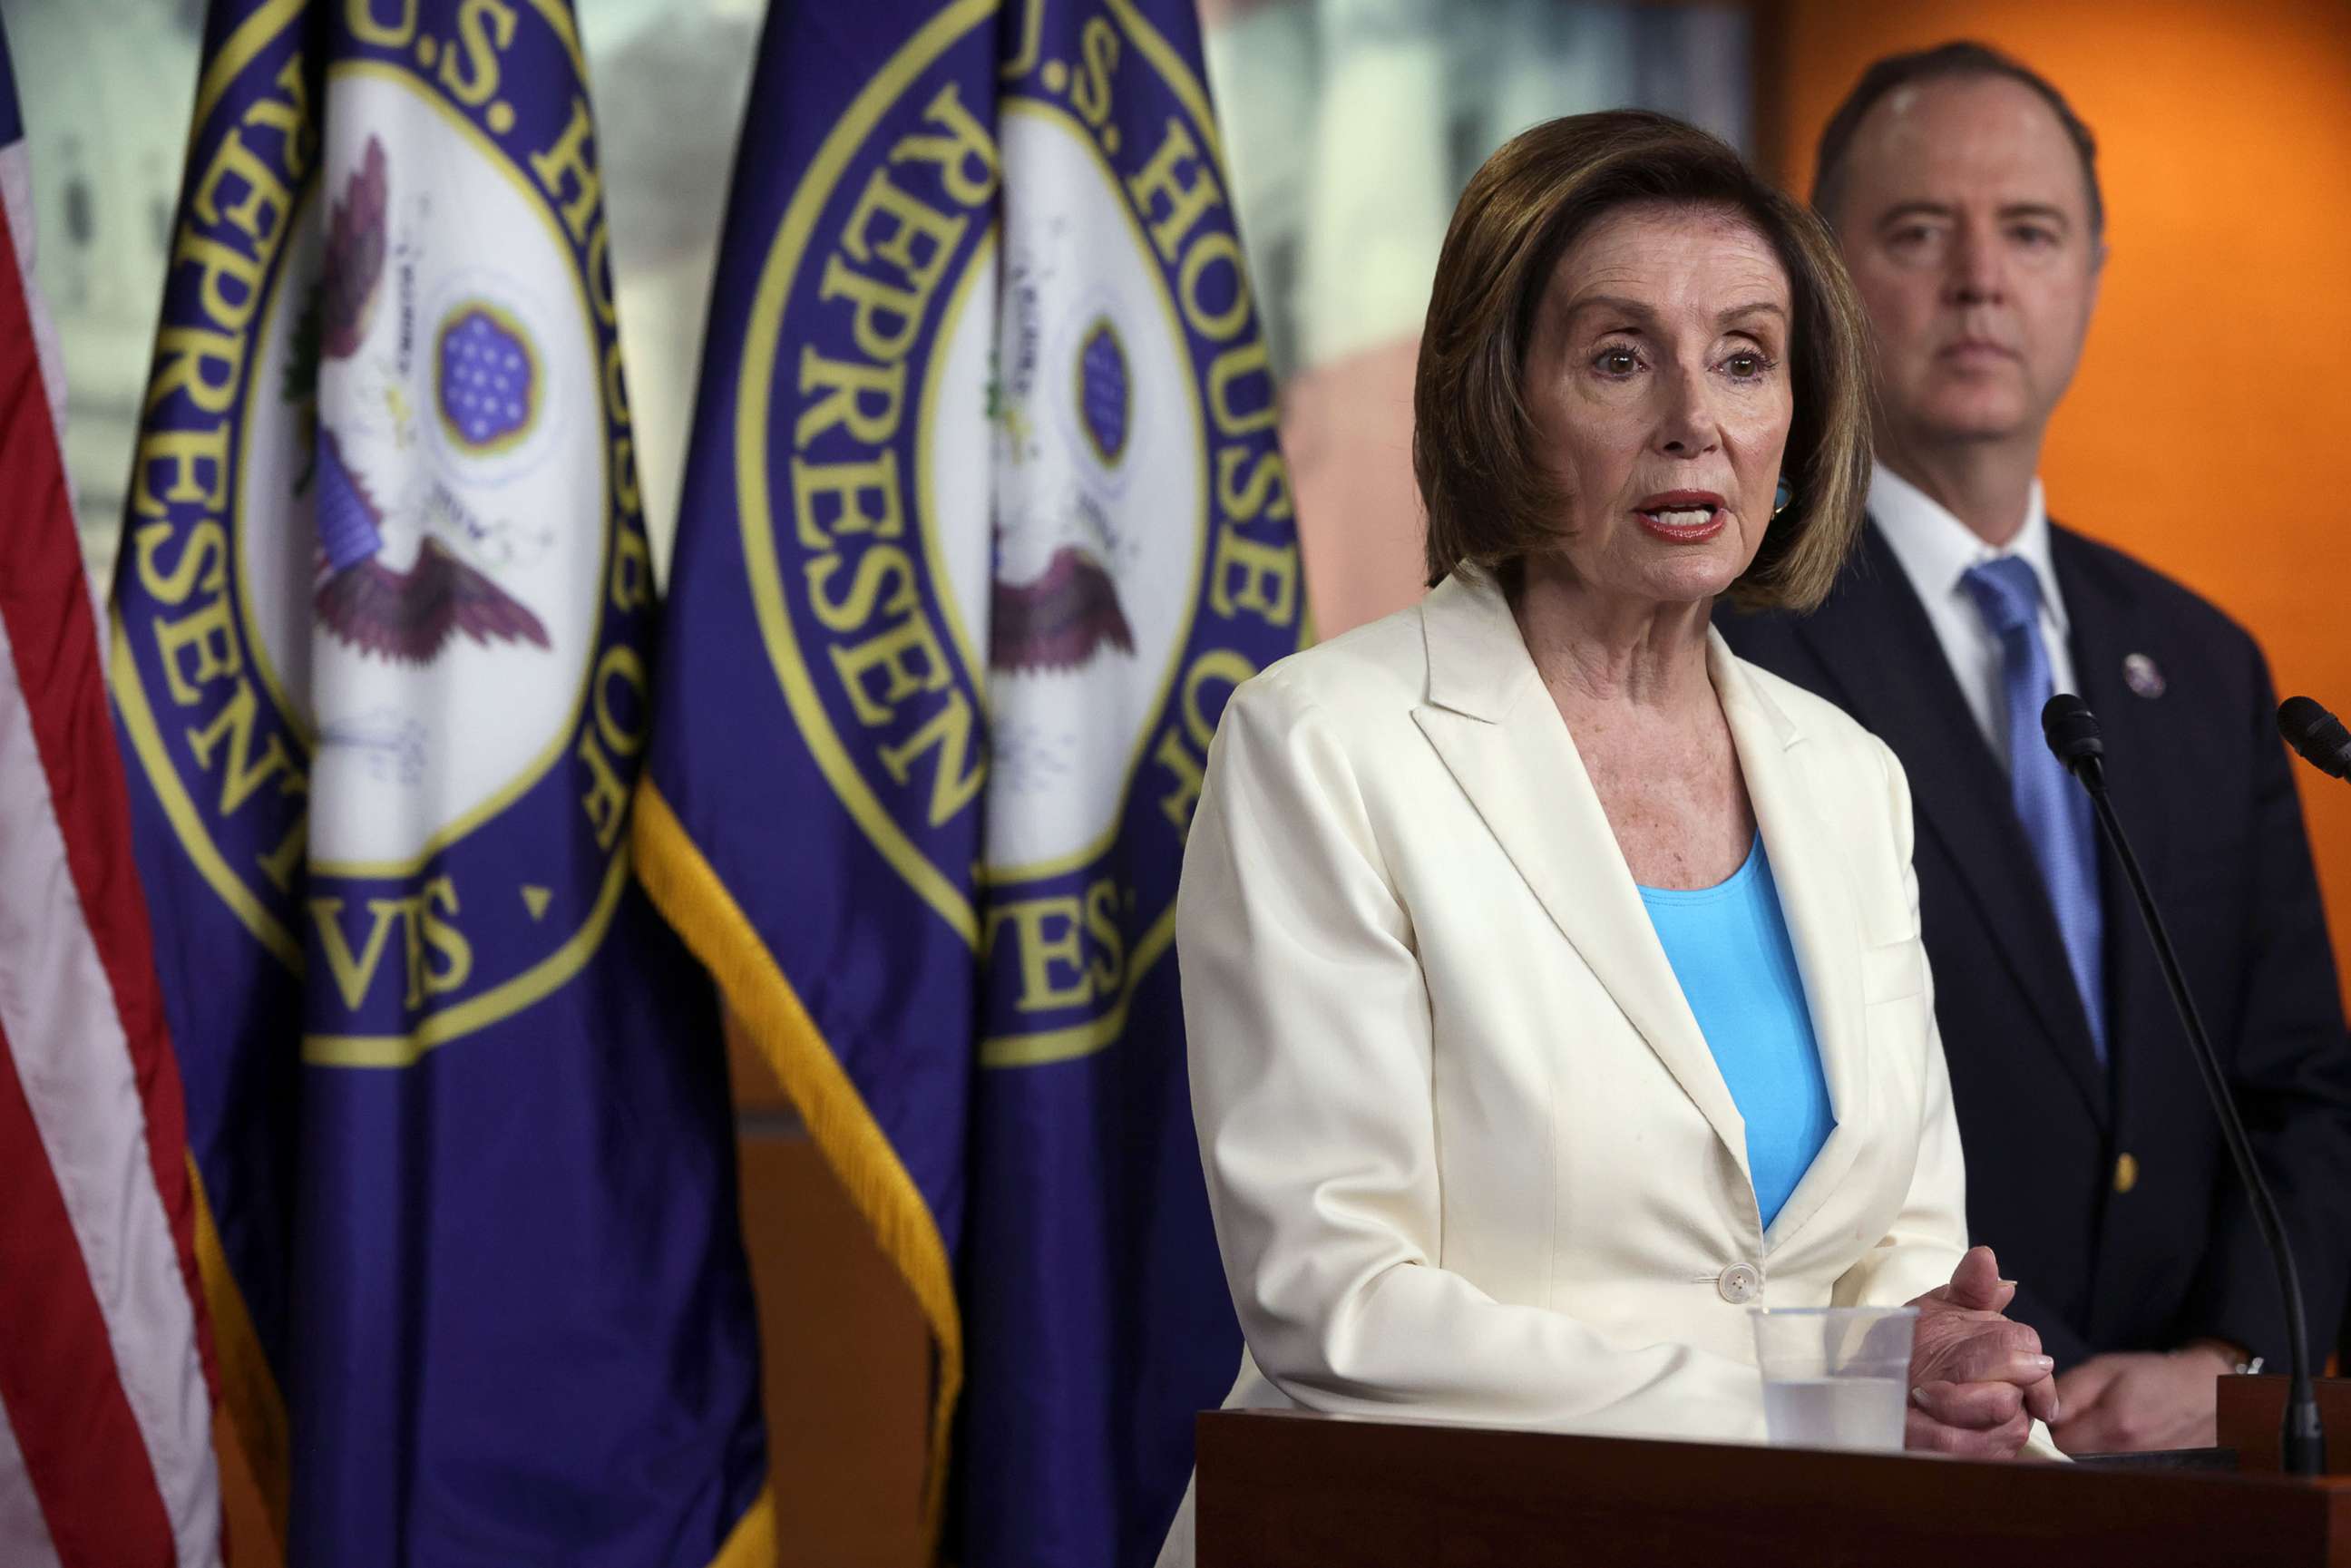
{"points": [[2316, 735], [2071, 731]]}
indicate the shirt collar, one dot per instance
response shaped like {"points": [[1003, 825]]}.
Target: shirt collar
{"points": [[1936, 548]]}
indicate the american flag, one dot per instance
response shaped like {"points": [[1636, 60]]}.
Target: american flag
{"points": [[106, 1454]]}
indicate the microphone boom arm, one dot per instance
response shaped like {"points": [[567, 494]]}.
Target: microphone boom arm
{"points": [[2304, 1440]]}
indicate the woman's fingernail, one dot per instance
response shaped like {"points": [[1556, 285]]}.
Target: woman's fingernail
{"points": [[2009, 1283], [1918, 1397], [2044, 1364], [2056, 1412]]}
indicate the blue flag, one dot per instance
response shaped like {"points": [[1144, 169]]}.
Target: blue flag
{"points": [[984, 520], [384, 616]]}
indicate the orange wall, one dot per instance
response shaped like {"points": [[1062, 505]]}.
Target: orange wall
{"points": [[2210, 428]]}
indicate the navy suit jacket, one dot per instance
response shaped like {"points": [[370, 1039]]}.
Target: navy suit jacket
{"points": [[2106, 1190]]}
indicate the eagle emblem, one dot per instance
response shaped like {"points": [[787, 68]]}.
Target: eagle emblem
{"points": [[402, 615], [1059, 616]]}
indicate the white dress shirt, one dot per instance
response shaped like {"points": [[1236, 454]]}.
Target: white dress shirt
{"points": [[1936, 550]]}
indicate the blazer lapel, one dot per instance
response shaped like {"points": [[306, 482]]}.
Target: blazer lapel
{"points": [[1817, 900], [1498, 732], [1872, 638]]}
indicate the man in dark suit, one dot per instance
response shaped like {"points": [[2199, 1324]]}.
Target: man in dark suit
{"points": [[1964, 193]]}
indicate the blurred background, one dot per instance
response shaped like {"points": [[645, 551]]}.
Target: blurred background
{"points": [[2204, 434]]}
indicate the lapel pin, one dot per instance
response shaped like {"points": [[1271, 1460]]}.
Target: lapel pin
{"points": [[2141, 675]]}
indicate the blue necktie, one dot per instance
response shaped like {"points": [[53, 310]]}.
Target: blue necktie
{"points": [[2053, 809]]}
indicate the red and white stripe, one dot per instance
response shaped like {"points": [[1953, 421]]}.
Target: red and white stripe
{"points": [[106, 1456]]}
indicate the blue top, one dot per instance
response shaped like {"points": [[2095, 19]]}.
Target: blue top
{"points": [[1729, 948]]}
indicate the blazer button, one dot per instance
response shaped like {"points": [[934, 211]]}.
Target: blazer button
{"points": [[1739, 1284], [2126, 1174]]}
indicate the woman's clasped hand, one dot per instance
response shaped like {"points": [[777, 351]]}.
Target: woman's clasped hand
{"points": [[1978, 1380]]}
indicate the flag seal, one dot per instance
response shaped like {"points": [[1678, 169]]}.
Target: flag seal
{"points": [[1010, 498], [340, 364]]}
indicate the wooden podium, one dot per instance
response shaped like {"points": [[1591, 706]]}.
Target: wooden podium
{"points": [[1289, 1490]]}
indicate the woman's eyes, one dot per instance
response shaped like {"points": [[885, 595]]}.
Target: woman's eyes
{"points": [[1618, 362]]}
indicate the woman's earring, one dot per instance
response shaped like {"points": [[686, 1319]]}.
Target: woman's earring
{"points": [[1780, 501]]}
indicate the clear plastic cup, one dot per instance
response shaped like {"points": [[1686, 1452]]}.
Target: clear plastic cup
{"points": [[1834, 1377]]}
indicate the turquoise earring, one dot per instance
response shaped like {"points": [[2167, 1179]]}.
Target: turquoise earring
{"points": [[1779, 500]]}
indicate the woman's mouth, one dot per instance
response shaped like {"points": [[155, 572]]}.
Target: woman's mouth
{"points": [[1684, 516]]}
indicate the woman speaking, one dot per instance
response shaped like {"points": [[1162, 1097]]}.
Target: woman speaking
{"points": [[1553, 977]]}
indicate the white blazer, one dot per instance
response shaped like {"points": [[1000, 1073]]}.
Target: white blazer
{"points": [[1469, 1155]]}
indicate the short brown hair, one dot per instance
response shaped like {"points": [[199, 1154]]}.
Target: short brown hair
{"points": [[1962, 59], [1490, 495]]}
